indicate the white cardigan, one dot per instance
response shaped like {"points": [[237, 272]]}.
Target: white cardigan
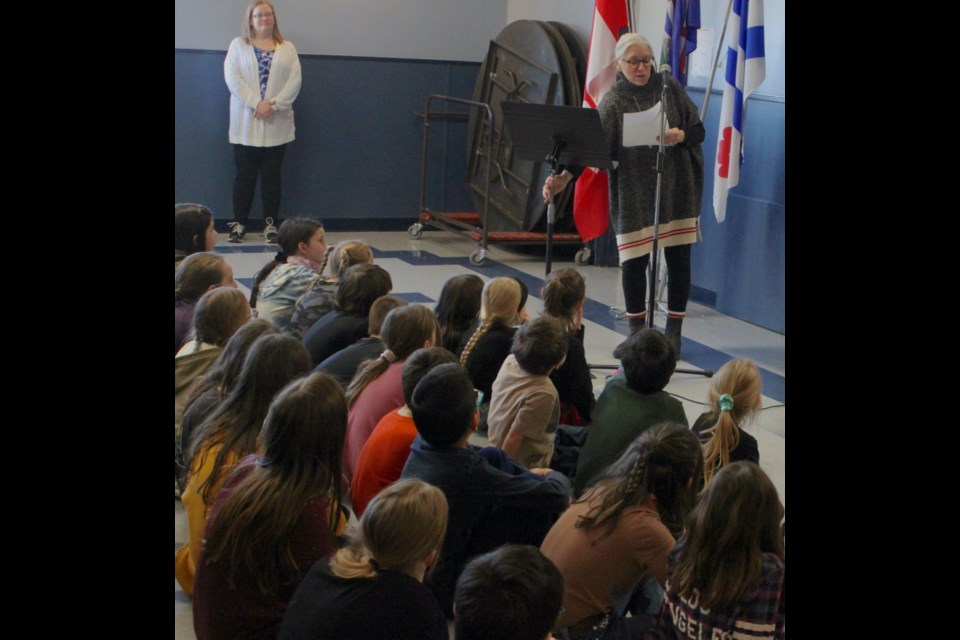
{"points": [[243, 79]]}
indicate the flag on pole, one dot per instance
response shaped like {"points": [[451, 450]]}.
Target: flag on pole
{"points": [[680, 36], [591, 200], [745, 70]]}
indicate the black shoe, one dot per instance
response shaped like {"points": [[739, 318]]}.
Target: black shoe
{"points": [[637, 324], [673, 334], [236, 232]]}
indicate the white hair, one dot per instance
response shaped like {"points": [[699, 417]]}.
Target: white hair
{"points": [[626, 41]]}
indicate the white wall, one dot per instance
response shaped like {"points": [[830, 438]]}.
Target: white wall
{"points": [[577, 14], [426, 29], [650, 15]]}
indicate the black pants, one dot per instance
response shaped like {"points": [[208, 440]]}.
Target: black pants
{"points": [[678, 276], [251, 162]]}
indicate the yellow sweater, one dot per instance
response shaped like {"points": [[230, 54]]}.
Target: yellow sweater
{"points": [[185, 560]]}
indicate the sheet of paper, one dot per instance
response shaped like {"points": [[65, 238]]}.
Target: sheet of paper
{"points": [[642, 128]]}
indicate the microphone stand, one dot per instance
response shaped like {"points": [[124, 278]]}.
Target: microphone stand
{"points": [[655, 250]]}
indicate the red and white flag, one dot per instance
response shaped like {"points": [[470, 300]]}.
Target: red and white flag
{"points": [[591, 199]]}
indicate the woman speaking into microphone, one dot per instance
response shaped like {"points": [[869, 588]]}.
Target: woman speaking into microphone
{"points": [[633, 183]]}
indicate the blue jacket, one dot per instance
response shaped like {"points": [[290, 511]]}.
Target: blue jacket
{"points": [[492, 500]]}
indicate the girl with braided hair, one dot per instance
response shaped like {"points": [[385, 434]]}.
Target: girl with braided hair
{"points": [[734, 398], [482, 353], [622, 530]]}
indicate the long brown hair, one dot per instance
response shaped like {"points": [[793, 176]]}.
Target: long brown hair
{"points": [[404, 330], [272, 362], [499, 303], [739, 379], [664, 461], [457, 307], [735, 523], [225, 370], [301, 446]]}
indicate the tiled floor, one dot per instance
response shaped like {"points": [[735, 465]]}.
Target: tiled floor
{"points": [[420, 267]]}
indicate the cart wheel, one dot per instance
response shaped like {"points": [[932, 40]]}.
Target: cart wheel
{"points": [[415, 230], [477, 257], [582, 257]]}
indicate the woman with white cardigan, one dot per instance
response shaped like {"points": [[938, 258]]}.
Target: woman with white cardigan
{"points": [[262, 71]]}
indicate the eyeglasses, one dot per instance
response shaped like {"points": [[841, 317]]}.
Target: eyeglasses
{"points": [[479, 395], [265, 14], [633, 63]]}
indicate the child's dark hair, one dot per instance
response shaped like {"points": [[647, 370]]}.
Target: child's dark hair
{"points": [[405, 329], [191, 222], [379, 310], [457, 307], [648, 360], [511, 593], [419, 364], [291, 233], [736, 521], [360, 285], [218, 315], [226, 369], [540, 345], [665, 461], [524, 293], [563, 290], [443, 404]]}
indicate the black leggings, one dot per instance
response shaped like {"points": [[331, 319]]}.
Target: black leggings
{"points": [[678, 275], [265, 162]]}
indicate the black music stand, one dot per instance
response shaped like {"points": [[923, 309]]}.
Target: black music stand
{"points": [[559, 135]]}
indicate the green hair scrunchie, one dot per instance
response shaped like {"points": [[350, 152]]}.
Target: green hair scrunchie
{"points": [[726, 402]]}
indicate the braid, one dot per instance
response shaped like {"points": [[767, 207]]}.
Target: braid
{"points": [[618, 495], [474, 339], [326, 258], [637, 477]]}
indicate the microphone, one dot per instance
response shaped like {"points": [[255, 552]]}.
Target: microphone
{"points": [[666, 69]]}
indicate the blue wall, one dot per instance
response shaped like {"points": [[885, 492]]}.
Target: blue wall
{"points": [[358, 147], [739, 268], [357, 157]]}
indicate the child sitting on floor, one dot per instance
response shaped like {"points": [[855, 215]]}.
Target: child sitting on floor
{"points": [[631, 402], [525, 407], [493, 499]]}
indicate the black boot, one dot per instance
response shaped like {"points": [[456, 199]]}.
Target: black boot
{"points": [[673, 334], [637, 324]]}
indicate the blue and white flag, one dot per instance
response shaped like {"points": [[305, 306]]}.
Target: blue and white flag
{"points": [[745, 70], [680, 36]]}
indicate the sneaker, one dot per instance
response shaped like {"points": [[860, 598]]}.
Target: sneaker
{"points": [[236, 232], [269, 231]]}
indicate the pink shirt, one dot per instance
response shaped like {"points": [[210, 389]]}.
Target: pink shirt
{"points": [[380, 397]]}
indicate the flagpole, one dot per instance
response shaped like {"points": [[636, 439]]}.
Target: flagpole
{"points": [[716, 59], [631, 20]]}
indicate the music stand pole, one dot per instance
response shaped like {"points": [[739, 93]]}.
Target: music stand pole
{"points": [[554, 159]]}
